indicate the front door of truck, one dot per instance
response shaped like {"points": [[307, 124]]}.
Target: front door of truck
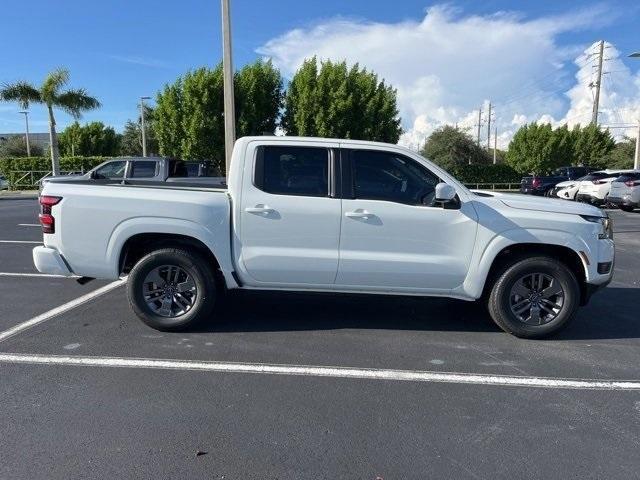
{"points": [[289, 225], [393, 235]]}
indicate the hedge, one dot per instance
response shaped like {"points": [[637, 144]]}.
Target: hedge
{"points": [[13, 164], [478, 173]]}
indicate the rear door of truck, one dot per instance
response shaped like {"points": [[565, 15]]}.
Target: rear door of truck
{"points": [[289, 224]]}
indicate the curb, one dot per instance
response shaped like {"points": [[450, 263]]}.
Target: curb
{"points": [[19, 196]]}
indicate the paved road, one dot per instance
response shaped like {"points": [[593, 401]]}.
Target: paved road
{"points": [[63, 421]]}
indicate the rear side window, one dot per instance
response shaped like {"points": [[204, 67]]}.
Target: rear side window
{"points": [[111, 170], [389, 176], [596, 176], [143, 169], [293, 170], [628, 177]]}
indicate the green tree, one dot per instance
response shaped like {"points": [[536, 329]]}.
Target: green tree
{"points": [[537, 148], [50, 93], [16, 146], [92, 139], [131, 138], [334, 101], [190, 112], [622, 155], [592, 146], [449, 146]]}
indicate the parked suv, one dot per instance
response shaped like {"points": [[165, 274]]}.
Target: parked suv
{"points": [[625, 191], [542, 185], [596, 191]]}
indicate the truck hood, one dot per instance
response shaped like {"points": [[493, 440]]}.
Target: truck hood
{"points": [[543, 204]]}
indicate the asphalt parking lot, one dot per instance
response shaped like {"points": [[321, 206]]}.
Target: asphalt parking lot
{"points": [[91, 392]]}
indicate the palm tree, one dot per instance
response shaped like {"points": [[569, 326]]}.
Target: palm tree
{"points": [[72, 101]]}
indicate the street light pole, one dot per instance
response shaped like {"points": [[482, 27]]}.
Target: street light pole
{"points": [[227, 67], [143, 127], [26, 136], [636, 160]]}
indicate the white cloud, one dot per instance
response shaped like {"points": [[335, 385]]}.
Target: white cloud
{"points": [[619, 93], [448, 64]]}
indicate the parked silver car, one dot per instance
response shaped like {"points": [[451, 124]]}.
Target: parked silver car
{"points": [[625, 191]]}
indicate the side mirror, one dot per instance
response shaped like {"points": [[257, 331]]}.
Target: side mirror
{"points": [[93, 175], [445, 192]]}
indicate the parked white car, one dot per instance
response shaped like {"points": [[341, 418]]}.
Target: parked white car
{"points": [[625, 191], [566, 190], [315, 214], [597, 189]]}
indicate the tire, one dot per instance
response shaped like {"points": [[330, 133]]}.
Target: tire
{"points": [[172, 289], [504, 299], [626, 208]]}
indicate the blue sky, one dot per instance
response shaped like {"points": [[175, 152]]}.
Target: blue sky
{"points": [[119, 50]]}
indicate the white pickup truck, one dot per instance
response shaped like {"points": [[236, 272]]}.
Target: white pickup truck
{"points": [[314, 214]]}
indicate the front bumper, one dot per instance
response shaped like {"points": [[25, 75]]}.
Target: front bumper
{"points": [[588, 198], [48, 260]]}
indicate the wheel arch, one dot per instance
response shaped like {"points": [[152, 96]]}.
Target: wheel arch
{"points": [[562, 253]]}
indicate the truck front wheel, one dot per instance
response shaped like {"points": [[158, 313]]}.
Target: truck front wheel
{"points": [[534, 297], [172, 289]]}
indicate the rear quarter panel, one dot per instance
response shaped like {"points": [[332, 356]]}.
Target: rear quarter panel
{"points": [[93, 222]]}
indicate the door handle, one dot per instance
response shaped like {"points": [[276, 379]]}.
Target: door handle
{"points": [[358, 214], [263, 209]]}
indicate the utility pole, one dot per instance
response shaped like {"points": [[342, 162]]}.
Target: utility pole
{"points": [[596, 100], [143, 127], [636, 161], [26, 136], [495, 146], [227, 67], [489, 129], [479, 123]]}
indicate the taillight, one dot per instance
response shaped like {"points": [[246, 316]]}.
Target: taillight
{"points": [[46, 218], [536, 182], [630, 183]]}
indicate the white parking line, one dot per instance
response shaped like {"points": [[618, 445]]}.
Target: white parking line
{"points": [[29, 225], [22, 241], [61, 309], [317, 371], [46, 275]]}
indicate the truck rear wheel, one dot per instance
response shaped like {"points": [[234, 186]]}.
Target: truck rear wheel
{"points": [[534, 297], [172, 289]]}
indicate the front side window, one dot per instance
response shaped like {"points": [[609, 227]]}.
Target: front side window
{"points": [[143, 169], [111, 170], [392, 177], [293, 170]]}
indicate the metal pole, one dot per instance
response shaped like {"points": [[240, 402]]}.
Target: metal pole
{"points": [[479, 122], [495, 146], [489, 129], [227, 66], [26, 136], [596, 100], [636, 161], [143, 127]]}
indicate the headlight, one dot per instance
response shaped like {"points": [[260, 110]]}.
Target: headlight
{"points": [[605, 222]]}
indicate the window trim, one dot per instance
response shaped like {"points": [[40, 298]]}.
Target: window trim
{"points": [[348, 177], [257, 179]]}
